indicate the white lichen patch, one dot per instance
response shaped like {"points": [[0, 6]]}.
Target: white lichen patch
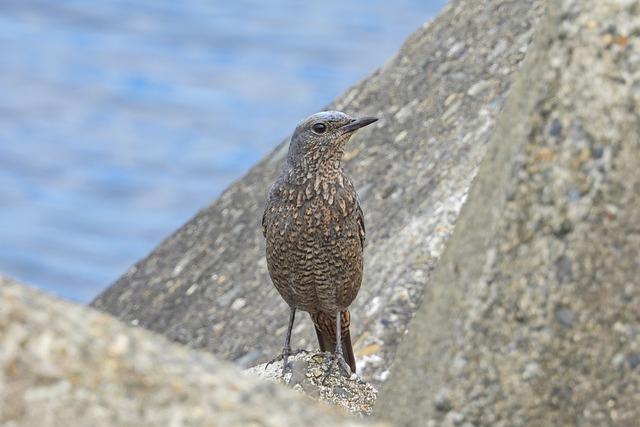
{"points": [[309, 373]]}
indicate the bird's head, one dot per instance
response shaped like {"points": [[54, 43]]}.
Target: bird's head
{"points": [[320, 138]]}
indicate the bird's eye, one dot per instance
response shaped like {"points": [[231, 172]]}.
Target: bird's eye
{"points": [[319, 128]]}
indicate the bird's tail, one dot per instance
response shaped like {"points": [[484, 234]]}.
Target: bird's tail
{"points": [[325, 324]]}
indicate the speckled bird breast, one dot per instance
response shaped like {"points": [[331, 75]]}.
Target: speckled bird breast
{"points": [[315, 234]]}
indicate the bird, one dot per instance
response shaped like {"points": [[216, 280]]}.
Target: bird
{"points": [[314, 230]]}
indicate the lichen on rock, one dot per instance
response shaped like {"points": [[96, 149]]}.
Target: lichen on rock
{"points": [[312, 374]]}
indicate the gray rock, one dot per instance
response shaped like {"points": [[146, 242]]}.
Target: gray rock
{"points": [[207, 284], [538, 287], [634, 360], [66, 365], [442, 401]]}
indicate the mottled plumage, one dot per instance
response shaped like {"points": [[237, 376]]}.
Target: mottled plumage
{"points": [[314, 228]]}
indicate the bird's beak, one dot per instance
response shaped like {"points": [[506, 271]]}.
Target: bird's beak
{"points": [[357, 124]]}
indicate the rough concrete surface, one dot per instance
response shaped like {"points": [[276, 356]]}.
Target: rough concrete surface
{"points": [[533, 315], [437, 100], [310, 373], [66, 365]]}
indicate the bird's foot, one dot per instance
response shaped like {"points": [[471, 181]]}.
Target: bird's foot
{"points": [[335, 360], [284, 356]]}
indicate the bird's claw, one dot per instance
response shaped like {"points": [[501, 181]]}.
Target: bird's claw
{"points": [[334, 360], [284, 356]]}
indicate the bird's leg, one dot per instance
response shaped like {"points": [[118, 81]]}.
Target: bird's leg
{"points": [[286, 350], [338, 352], [337, 358], [338, 334]]}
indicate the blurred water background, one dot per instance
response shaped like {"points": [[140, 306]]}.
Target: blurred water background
{"points": [[120, 119]]}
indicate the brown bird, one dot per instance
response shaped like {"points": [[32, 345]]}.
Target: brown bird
{"points": [[315, 233]]}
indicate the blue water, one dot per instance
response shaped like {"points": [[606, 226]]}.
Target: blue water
{"points": [[120, 119]]}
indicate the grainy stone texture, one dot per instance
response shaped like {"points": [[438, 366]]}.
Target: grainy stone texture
{"points": [[67, 365], [308, 373], [437, 101], [533, 315]]}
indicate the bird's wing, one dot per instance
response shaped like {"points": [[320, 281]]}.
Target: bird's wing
{"points": [[270, 197], [361, 230]]}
